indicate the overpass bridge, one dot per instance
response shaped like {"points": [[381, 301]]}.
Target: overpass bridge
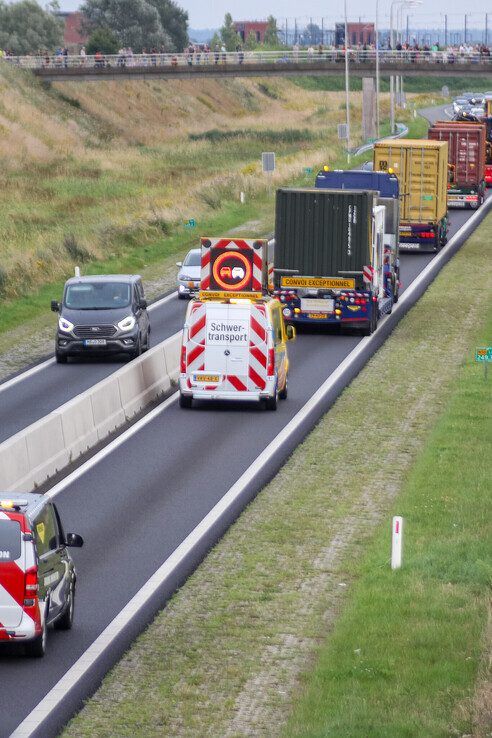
{"points": [[253, 64]]}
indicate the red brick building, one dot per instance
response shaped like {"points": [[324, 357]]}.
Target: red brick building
{"points": [[257, 28], [73, 35], [361, 33]]}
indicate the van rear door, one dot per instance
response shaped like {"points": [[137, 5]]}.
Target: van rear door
{"points": [[227, 344], [12, 567]]}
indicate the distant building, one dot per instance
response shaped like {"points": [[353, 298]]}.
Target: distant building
{"points": [[73, 34], [358, 34], [257, 28]]}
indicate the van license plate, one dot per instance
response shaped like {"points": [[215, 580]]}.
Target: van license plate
{"points": [[95, 342], [207, 378]]}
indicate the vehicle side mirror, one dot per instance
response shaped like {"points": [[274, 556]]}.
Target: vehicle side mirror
{"points": [[142, 304], [291, 332], [73, 540], [55, 306], [179, 264]]}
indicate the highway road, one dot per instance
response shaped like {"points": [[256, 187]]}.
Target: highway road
{"points": [[136, 505]]}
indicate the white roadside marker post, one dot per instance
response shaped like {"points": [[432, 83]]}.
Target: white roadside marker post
{"points": [[396, 542], [77, 271]]}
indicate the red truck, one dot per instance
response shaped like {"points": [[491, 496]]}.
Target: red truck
{"points": [[467, 142]]}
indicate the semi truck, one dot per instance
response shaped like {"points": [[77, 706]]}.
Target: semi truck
{"points": [[387, 190], [330, 265], [422, 170], [466, 161], [487, 120]]}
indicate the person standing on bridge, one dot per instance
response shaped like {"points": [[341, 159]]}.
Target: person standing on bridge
{"points": [[224, 53]]}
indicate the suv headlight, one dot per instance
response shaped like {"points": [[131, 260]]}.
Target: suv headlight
{"points": [[65, 325], [127, 323]]}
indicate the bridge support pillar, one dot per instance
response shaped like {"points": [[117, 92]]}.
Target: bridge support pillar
{"points": [[368, 108]]}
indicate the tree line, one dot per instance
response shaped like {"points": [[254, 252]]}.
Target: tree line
{"points": [[160, 25], [27, 28]]}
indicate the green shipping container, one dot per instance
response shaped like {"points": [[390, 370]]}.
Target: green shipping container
{"points": [[323, 233]]}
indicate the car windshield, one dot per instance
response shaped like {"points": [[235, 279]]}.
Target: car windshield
{"points": [[97, 295], [10, 540], [193, 259]]}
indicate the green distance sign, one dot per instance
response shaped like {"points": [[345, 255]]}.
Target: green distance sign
{"points": [[483, 353]]}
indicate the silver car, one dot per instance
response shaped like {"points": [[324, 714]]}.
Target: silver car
{"points": [[189, 274]]}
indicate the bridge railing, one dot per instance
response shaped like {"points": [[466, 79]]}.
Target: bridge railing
{"points": [[387, 58]]}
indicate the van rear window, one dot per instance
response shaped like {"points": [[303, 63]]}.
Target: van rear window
{"points": [[10, 540]]}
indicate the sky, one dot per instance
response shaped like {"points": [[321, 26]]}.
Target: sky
{"points": [[429, 13]]}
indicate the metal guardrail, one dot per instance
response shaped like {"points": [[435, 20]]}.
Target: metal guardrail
{"points": [[387, 58]]}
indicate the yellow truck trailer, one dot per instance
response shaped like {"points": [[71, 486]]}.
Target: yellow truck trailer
{"points": [[422, 169]]}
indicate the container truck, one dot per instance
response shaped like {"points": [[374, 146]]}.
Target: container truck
{"points": [[330, 266], [387, 193], [487, 120], [422, 169], [466, 161]]}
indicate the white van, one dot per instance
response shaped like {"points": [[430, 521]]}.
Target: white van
{"points": [[235, 350]]}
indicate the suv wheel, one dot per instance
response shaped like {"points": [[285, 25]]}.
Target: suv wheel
{"points": [[65, 621], [61, 358], [37, 648], [137, 351]]}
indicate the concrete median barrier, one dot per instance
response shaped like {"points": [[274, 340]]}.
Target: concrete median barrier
{"points": [[14, 464], [46, 447], [172, 349], [79, 430]]}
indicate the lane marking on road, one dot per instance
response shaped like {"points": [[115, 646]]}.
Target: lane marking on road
{"points": [[39, 367], [104, 641]]}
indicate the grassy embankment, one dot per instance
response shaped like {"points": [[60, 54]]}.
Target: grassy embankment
{"points": [[294, 625], [106, 174]]}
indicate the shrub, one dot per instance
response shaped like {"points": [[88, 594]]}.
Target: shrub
{"points": [[76, 250]]}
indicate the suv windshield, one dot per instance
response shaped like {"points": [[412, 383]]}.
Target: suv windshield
{"points": [[10, 540], [97, 295], [193, 259]]}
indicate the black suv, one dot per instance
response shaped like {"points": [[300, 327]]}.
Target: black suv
{"points": [[100, 315], [37, 574]]}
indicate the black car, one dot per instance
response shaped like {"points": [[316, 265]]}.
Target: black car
{"points": [[37, 574], [101, 315]]}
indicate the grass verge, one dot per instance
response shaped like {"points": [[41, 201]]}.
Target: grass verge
{"points": [[225, 657], [403, 657]]}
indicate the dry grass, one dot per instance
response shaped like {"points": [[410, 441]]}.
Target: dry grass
{"points": [[105, 164]]}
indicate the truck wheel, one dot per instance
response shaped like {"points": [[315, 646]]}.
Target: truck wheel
{"points": [[185, 401]]}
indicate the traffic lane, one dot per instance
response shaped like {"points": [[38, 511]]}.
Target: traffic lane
{"points": [[136, 506], [41, 393]]}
